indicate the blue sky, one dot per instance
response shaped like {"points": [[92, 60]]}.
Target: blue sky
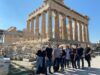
{"points": [[15, 13]]}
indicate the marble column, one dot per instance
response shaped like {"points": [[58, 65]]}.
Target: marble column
{"points": [[87, 34], [50, 33], [37, 27], [60, 26], [56, 31], [43, 25], [64, 28], [84, 32], [32, 27], [70, 28], [75, 30], [80, 31], [28, 26]]}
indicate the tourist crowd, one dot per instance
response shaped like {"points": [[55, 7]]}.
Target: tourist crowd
{"points": [[60, 58]]}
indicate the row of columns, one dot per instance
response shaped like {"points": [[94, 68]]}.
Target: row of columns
{"points": [[59, 32]]}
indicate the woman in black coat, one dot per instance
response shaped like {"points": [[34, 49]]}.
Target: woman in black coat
{"points": [[88, 55]]}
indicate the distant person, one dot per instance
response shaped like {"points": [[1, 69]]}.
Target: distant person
{"points": [[49, 52], [88, 55]]}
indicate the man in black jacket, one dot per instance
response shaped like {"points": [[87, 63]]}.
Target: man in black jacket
{"points": [[49, 51], [79, 56]]}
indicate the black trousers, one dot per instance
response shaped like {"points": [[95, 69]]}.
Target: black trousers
{"points": [[73, 63], [82, 60], [78, 60], [88, 59], [56, 64]]}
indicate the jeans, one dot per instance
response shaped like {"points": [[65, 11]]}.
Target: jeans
{"points": [[80, 58], [77, 63], [49, 63], [62, 62], [67, 62], [39, 63]]}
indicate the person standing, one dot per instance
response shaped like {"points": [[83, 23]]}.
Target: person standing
{"points": [[67, 60], [79, 56], [43, 54], [82, 56], [56, 58], [49, 52], [39, 62], [88, 56], [62, 58], [73, 57]]}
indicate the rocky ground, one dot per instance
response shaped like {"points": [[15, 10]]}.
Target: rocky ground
{"points": [[25, 68]]}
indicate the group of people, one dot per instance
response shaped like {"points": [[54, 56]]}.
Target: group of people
{"points": [[60, 58]]}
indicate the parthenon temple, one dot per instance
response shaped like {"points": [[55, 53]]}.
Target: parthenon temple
{"points": [[56, 22]]}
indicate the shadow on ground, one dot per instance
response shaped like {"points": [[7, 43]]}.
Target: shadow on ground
{"points": [[85, 71], [16, 69]]}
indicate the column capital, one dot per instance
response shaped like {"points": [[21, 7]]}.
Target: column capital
{"points": [[83, 23], [86, 25], [55, 11], [28, 20], [56, 14], [32, 19], [79, 21], [63, 17], [75, 19], [43, 12], [49, 9], [69, 17]]}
